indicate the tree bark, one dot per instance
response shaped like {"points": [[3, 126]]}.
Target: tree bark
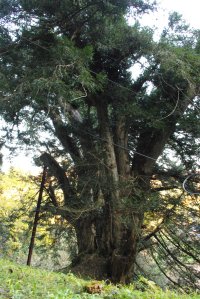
{"points": [[111, 232]]}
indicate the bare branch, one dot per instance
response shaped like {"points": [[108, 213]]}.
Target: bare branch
{"points": [[62, 134], [60, 174]]}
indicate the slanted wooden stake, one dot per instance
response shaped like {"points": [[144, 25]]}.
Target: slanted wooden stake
{"points": [[37, 212]]}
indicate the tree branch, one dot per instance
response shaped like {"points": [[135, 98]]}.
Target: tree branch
{"points": [[164, 188], [62, 134], [59, 173]]}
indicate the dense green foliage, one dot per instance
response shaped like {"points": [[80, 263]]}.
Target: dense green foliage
{"points": [[28, 283], [107, 139]]}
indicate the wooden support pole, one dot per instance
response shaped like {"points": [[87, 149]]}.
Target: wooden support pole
{"points": [[37, 212]]}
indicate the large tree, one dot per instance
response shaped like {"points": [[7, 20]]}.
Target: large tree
{"points": [[67, 86]]}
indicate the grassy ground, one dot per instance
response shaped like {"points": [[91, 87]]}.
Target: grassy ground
{"points": [[20, 282]]}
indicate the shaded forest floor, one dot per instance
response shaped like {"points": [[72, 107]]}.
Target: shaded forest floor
{"points": [[21, 282]]}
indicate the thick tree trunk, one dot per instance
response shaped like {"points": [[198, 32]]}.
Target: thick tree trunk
{"points": [[108, 236], [97, 248], [86, 235], [112, 234]]}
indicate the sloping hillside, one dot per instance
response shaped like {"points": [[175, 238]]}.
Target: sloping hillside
{"points": [[21, 282]]}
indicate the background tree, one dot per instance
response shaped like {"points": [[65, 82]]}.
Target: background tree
{"points": [[17, 200], [66, 84], [54, 238]]}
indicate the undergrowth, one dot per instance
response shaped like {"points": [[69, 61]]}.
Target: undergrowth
{"points": [[21, 282]]}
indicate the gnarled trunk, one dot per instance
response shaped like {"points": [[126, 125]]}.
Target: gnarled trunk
{"points": [[111, 234], [98, 247], [108, 231]]}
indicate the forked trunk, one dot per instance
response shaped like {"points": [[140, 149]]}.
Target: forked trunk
{"points": [[112, 235]]}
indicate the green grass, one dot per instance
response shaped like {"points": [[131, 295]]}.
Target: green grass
{"points": [[21, 282]]}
